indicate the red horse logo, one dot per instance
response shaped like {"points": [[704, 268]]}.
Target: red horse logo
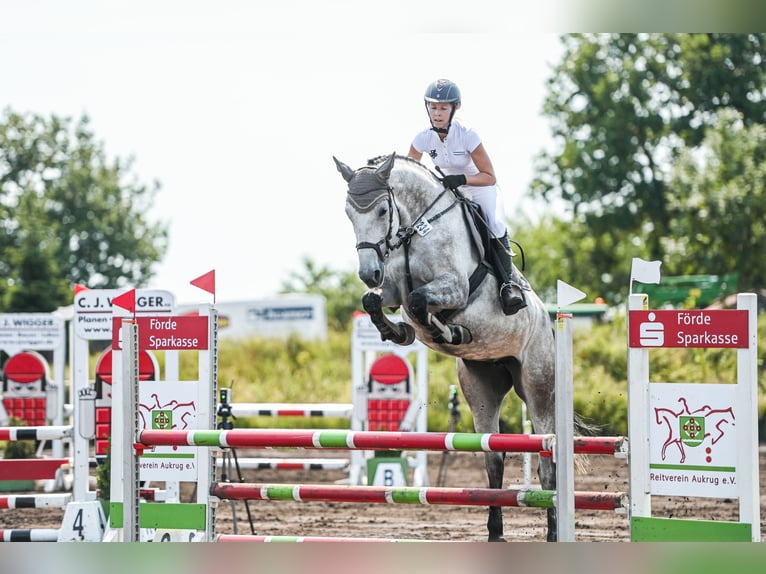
{"points": [[714, 423]]}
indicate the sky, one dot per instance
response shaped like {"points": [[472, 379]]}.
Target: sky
{"points": [[237, 111], [237, 108]]}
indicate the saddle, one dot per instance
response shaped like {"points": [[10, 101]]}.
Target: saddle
{"points": [[483, 240]]}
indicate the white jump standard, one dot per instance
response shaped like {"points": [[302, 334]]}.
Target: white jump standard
{"points": [[683, 438]]}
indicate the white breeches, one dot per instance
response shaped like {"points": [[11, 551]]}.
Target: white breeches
{"points": [[491, 202]]}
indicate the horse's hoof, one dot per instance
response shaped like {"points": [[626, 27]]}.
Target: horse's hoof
{"points": [[437, 336], [372, 303], [402, 335], [418, 306], [460, 335], [498, 539], [407, 335]]}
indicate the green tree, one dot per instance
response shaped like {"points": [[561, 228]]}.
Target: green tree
{"points": [[596, 263], [719, 204], [38, 278], [342, 290], [623, 107], [69, 214]]}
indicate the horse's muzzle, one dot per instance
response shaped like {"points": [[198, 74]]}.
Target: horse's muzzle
{"points": [[371, 269], [372, 278]]}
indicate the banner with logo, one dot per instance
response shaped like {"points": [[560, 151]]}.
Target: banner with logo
{"points": [[172, 406], [692, 440]]}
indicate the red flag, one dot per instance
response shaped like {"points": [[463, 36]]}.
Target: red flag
{"points": [[78, 288], [127, 301], [206, 282]]}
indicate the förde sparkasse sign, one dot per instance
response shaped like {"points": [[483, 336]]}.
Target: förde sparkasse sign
{"points": [[171, 333], [693, 328]]}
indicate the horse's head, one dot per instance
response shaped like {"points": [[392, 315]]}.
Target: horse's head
{"points": [[371, 209]]}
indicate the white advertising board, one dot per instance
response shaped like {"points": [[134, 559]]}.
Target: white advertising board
{"points": [[693, 440]]}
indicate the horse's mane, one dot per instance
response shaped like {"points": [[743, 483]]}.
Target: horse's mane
{"points": [[378, 159]]}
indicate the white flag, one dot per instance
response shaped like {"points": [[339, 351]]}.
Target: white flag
{"points": [[645, 271], [566, 294]]}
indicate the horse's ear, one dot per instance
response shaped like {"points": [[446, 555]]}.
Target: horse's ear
{"points": [[344, 170], [385, 168]]}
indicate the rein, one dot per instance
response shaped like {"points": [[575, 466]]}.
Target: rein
{"points": [[421, 225], [404, 233], [409, 231], [406, 237]]}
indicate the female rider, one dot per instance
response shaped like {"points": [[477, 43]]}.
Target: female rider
{"points": [[457, 151]]}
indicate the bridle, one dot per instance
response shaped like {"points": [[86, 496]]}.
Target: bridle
{"points": [[363, 198], [403, 234], [386, 241], [420, 225]]}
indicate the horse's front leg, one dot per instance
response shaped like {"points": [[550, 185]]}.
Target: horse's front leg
{"points": [[400, 333], [445, 292]]}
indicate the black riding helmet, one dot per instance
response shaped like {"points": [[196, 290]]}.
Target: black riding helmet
{"points": [[443, 91]]}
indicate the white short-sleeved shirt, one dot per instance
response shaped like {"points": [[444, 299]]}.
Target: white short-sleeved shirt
{"points": [[453, 154]]}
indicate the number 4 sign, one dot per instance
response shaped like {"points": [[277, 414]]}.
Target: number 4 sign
{"points": [[83, 522]]}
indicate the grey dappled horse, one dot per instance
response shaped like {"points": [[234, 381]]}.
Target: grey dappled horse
{"points": [[417, 251]]}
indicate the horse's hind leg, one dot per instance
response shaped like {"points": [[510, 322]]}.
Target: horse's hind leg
{"points": [[484, 386]]}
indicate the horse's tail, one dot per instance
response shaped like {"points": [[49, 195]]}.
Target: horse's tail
{"points": [[583, 428]]}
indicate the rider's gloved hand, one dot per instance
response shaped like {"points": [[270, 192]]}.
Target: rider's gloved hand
{"points": [[453, 181]]}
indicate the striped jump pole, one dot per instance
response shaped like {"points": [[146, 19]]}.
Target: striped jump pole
{"points": [[31, 535], [35, 433], [35, 501], [329, 410], [247, 538], [371, 440], [304, 410], [531, 498], [290, 463]]}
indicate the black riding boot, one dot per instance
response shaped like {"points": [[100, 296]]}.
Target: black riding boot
{"points": [[509, 300]]}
